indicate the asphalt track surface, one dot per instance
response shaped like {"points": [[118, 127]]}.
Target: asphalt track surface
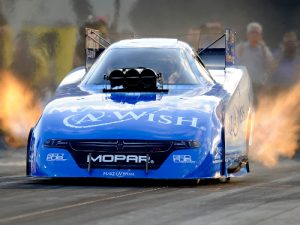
{"points": [[266, 196]]}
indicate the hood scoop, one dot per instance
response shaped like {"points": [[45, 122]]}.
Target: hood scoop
{"points": [[134, 80]]}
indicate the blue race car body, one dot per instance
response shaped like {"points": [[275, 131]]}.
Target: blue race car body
{"points": [[111, 123]]}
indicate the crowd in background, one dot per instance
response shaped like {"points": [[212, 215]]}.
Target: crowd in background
{"points": [[271, 70], [277, 70]]}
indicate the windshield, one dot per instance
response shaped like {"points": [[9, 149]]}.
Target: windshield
{"points": [[171, 63]]}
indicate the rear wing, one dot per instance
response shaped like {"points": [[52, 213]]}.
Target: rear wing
{"points": [[220, 57], [95, 44]]}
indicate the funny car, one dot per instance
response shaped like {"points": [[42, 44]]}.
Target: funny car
{"points": [[147, 108]]}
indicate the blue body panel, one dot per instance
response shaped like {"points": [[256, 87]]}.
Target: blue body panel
{"points": [[217, 117]]}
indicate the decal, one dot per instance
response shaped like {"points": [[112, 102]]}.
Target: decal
{"points": [[233, 124], [55, 157], [218, 155], [236, 119], [120, 158], [101, 118], [182, 159], [241, 114], [118, 174]]}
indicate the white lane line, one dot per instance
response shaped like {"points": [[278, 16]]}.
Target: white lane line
{"points": [[26, 215], [20, 163], [4, 183], [12, 176], [8, 180]]}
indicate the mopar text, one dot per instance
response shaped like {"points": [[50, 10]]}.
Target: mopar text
{"points": [[120, 158]]}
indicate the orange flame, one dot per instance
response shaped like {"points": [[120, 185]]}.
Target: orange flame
{"points": [[19, 110], [277, 127]]}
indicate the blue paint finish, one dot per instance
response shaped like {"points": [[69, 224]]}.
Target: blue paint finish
{"points": [[186, 113]]}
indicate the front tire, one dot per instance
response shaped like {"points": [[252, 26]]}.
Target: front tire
{"points": [[28, 164]]}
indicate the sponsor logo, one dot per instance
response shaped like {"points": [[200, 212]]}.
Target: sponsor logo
{"points": [[120, 159], [182, 159], [235, 119], [102, 118], [55, 157], [218, 155], [118, 174]]}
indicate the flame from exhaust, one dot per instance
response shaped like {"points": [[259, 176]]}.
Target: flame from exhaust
{"points": [[276, 127], [19, 110]]}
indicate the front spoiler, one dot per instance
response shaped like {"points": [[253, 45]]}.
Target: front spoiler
{"points": [[202, 165]]}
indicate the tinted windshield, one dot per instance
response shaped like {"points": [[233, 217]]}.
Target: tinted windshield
{"points": [[171, 63]]}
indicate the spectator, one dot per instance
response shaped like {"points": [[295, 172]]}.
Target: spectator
{"points": [[288, 62], [256, 56]]}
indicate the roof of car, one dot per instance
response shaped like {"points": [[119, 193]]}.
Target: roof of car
{"points": [[147, 42]]}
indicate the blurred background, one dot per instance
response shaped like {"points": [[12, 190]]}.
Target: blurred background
{"points": [[41, 41]]}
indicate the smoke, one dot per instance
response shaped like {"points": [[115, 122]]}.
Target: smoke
{"points": [[22, 13], [82, 9], [277, 127], [165, 17], [34, 58], [19, 110]]}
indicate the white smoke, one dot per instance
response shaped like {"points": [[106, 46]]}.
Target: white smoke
{"points": [[20, 13]]}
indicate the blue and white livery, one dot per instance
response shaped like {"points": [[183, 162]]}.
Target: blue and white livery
{"points": [[147, 108]]}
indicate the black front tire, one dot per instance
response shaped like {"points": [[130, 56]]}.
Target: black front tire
{"points": [[28, 164]]}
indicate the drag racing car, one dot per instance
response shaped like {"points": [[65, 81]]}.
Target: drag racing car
{"points": [[147, 108]]}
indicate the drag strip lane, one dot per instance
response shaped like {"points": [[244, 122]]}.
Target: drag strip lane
{"points": [[11, 176], [79, 204], [265, 196], [210, 193]]}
